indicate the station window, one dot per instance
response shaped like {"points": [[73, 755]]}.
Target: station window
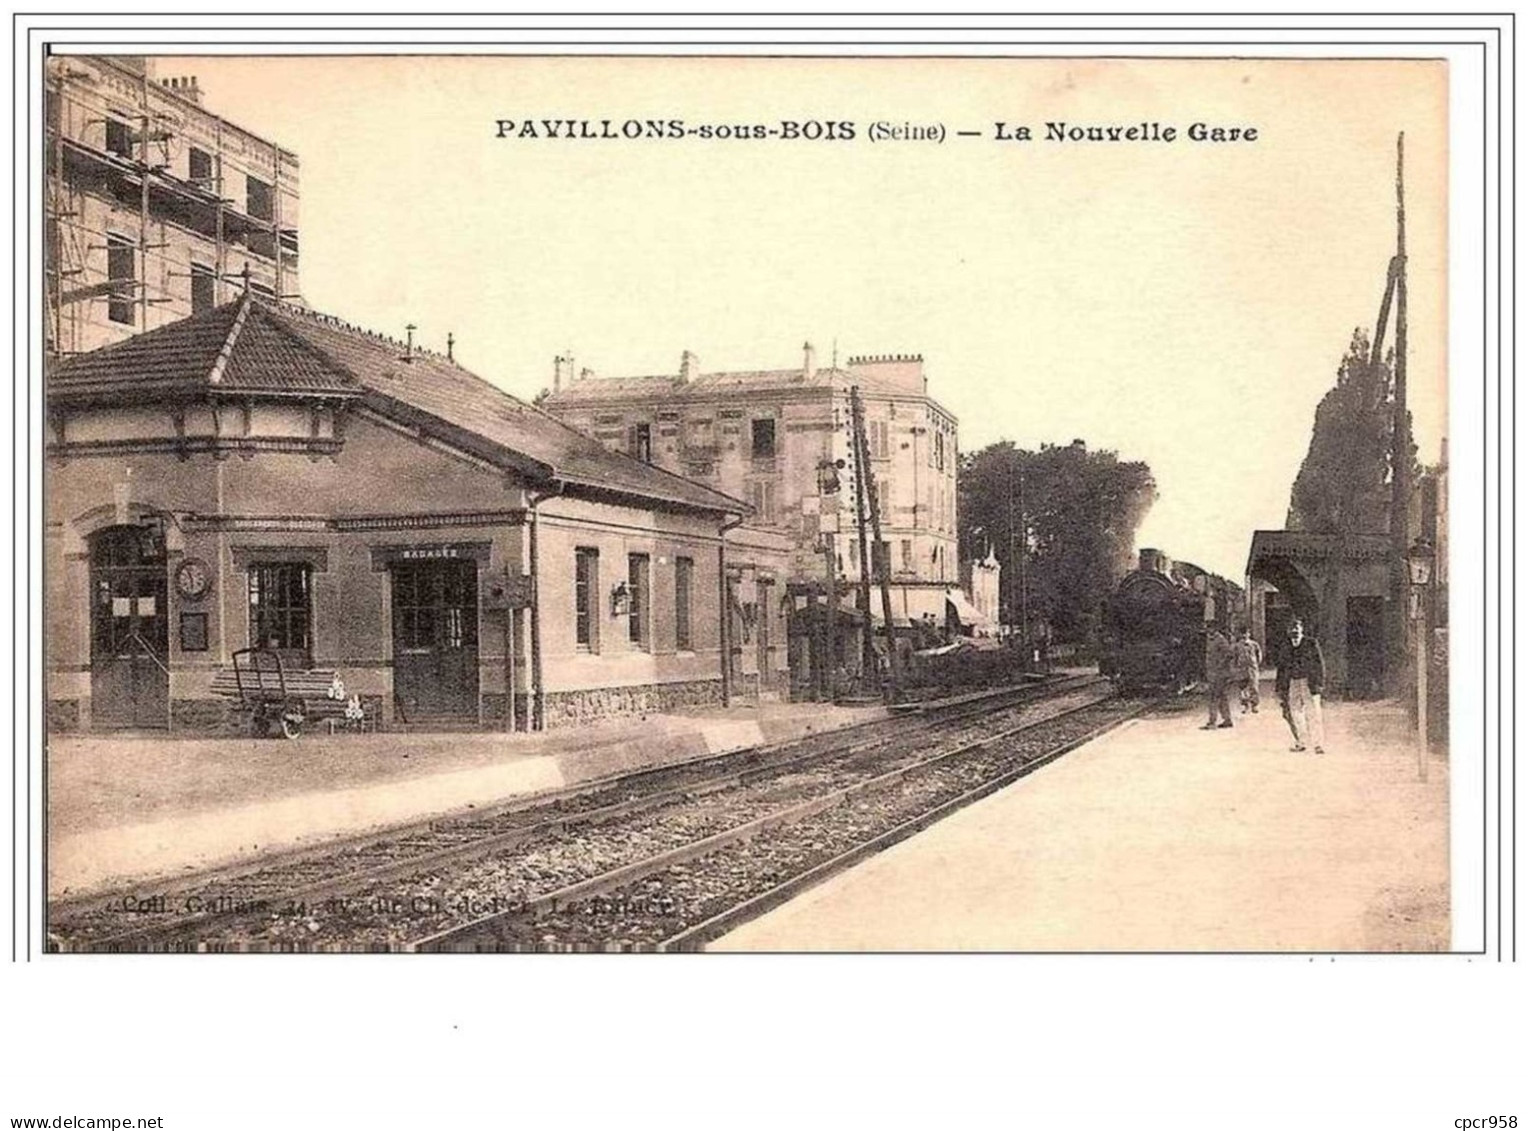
{"points": [[119, 139], [586, 579], [907, 555], [203, 288], [200, 168], [764, 438], [638, 576], [121, 273], [939, 450], [281, 609], [684, 586]]}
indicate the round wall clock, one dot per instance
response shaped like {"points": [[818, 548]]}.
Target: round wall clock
{"points": [[193, 578]]}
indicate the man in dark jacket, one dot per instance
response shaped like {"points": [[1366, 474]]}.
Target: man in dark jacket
{"points": [[1218, 671], [1300, 681]]}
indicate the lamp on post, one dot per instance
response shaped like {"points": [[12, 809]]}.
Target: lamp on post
{"points": [[1419, 568]]}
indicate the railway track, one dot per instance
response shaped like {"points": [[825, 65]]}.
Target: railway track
{"points": [[683, 898], [375, 892]]}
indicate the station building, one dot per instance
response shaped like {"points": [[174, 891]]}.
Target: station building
{"points": [[261, 475]]}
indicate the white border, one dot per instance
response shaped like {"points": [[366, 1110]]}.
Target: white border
{"points": [[728, 1032]]}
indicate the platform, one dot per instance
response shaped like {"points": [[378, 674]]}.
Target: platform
{"points": [[1163, 837], [133, 808]]}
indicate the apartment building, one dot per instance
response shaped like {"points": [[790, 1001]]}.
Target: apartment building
{"points": [[768, 436], [156, 209]]}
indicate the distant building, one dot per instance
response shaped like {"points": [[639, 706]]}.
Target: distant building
{"points": [[763, 436], [155, 208], [983, 580]]}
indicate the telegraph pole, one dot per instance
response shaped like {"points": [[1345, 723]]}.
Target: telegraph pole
{"points": [[861, 457], [869, 499], [1400, 428], [830, 641], [1024, 574]]}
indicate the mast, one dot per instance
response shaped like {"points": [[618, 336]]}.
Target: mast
{"points": [[880, 554], [860, 449], [1400, 428]]}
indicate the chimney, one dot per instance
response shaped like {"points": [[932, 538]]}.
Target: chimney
{"points": [[808, 361], [689, 366], [557, 367], [409, 348], [185, 86], [450, 346], [586, 374]]}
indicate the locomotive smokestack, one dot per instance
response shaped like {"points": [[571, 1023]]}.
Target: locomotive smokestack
{"points": [[1152, 561]]}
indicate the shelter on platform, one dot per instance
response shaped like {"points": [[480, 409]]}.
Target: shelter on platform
{"points": [[1340, 586]]}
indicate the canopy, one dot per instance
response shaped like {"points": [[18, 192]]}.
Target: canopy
{"points": [[970, 616]]}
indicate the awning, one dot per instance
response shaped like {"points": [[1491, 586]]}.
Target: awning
{"points": [[970, 616]]}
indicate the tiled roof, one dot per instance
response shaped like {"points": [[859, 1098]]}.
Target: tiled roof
{"points": [[447, 392], [238, 347], [276, 349]]}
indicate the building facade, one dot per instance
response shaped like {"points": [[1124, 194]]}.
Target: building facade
{"points": [[156, 209], [261, 476], [765, 436], [984, 584]]}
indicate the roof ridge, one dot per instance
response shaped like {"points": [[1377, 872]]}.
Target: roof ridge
{"points": [[528, 406], [220, 363], [334, 322]]}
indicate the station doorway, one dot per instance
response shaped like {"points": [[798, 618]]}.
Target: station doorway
{"points": [[129, 629], [435, 640], [1366, 647]]}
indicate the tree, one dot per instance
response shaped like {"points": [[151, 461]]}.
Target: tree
{"points": [[1344, 482], [1080, 513]]}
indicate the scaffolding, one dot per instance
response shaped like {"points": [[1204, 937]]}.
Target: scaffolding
{"points": [[186, 225]]}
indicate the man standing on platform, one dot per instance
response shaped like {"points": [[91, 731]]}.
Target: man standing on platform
{"points": [[1300, 681], [1249, 669], [1218, 661]]}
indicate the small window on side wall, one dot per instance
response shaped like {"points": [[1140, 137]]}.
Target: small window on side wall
{"points": [[638, 579], [684, 595], [586, 579]]}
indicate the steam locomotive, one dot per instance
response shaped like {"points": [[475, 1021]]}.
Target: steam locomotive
{"points": [[1156, 621]]}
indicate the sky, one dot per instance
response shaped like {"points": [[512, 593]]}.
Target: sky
{"points": [[1183, 303]]}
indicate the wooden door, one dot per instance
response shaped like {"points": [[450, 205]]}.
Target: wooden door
{"points": [[129, 629], [435, 640]]}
